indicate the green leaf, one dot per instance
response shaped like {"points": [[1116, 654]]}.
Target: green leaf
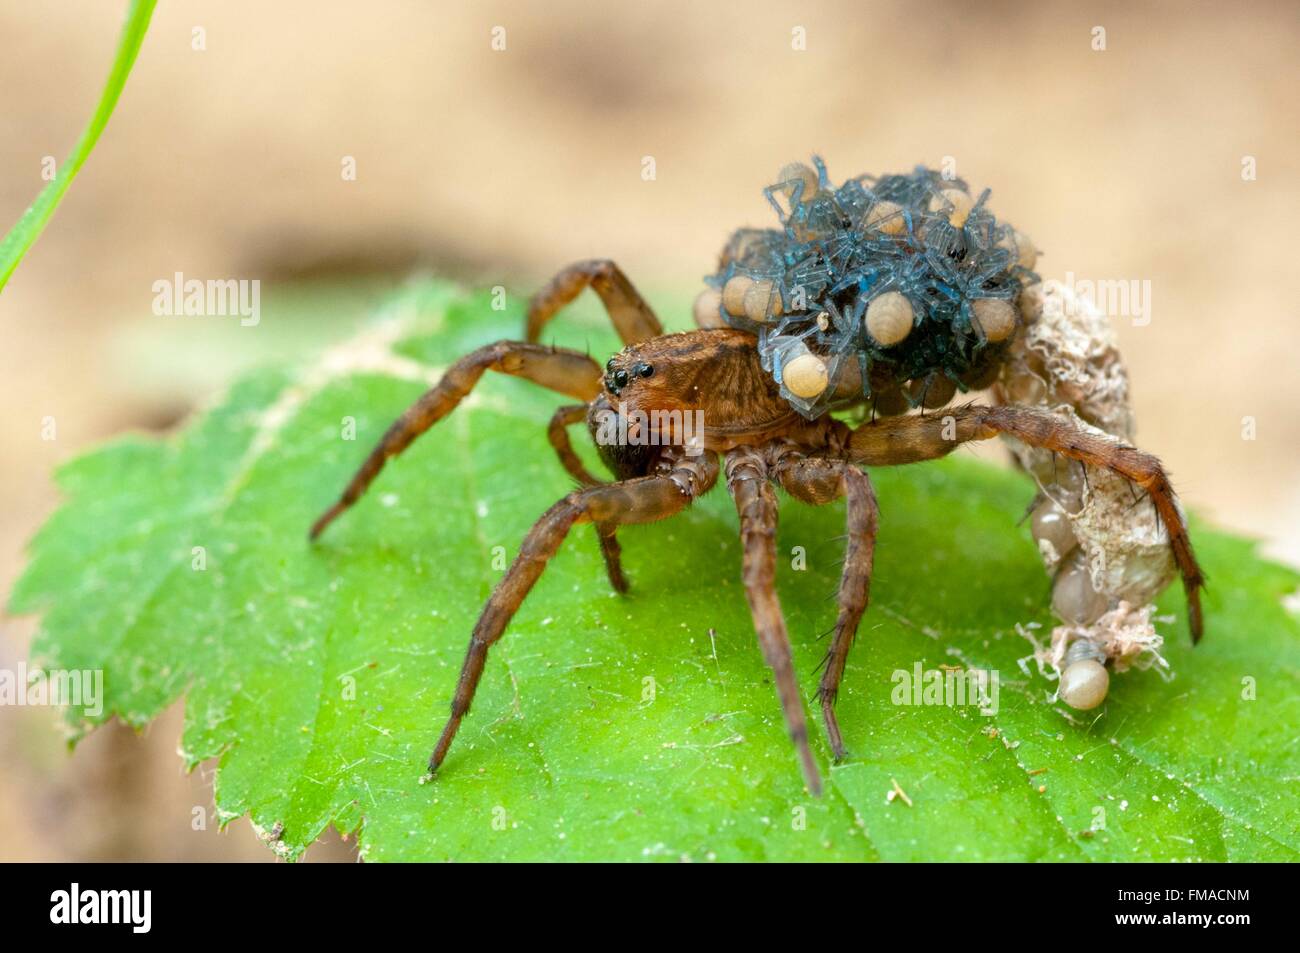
{"points": [[319, 676], [28, 228]]}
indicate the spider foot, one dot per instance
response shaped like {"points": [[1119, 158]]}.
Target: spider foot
{"points": [[444, 742], [832, 726]]}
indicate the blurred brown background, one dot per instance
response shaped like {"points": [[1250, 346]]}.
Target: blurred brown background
{"points": [[496, 167]]}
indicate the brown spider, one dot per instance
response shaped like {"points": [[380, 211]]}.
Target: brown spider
{"points": [[760, 441]]}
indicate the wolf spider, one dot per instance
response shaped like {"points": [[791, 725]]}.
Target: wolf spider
{"points": [[753, 436]]}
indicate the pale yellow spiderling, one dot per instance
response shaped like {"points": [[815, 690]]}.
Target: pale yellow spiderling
{"points": [[1084, 684], [805, 376], [888, 217], [706, 309], [762, 300], [961, 205], [798, 172], [733, 293], [889, 318], [995, 317]]}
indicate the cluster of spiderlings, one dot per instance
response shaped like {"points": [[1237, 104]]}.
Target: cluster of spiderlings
{"points": [[900, 289]]}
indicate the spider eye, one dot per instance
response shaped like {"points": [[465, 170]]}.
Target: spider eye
{"points": [[620, 379], [644, 370], [609, 365]]}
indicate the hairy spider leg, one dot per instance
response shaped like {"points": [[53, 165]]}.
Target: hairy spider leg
{"points": [[913, 439], [558, 433], [756, 504], [569, 372], [680, 480], [819, 480], [632, 318]]}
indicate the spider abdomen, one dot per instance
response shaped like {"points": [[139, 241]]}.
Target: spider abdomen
{"points": [[891, 288]]}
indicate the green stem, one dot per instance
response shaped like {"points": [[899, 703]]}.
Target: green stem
{"points": [[29, 227]]}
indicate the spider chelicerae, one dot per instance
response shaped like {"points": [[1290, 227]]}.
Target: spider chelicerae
{"points": [[888, 294]]}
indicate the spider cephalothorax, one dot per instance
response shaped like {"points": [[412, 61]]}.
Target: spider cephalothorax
{"points": [[670, 413], [715, 372]]}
